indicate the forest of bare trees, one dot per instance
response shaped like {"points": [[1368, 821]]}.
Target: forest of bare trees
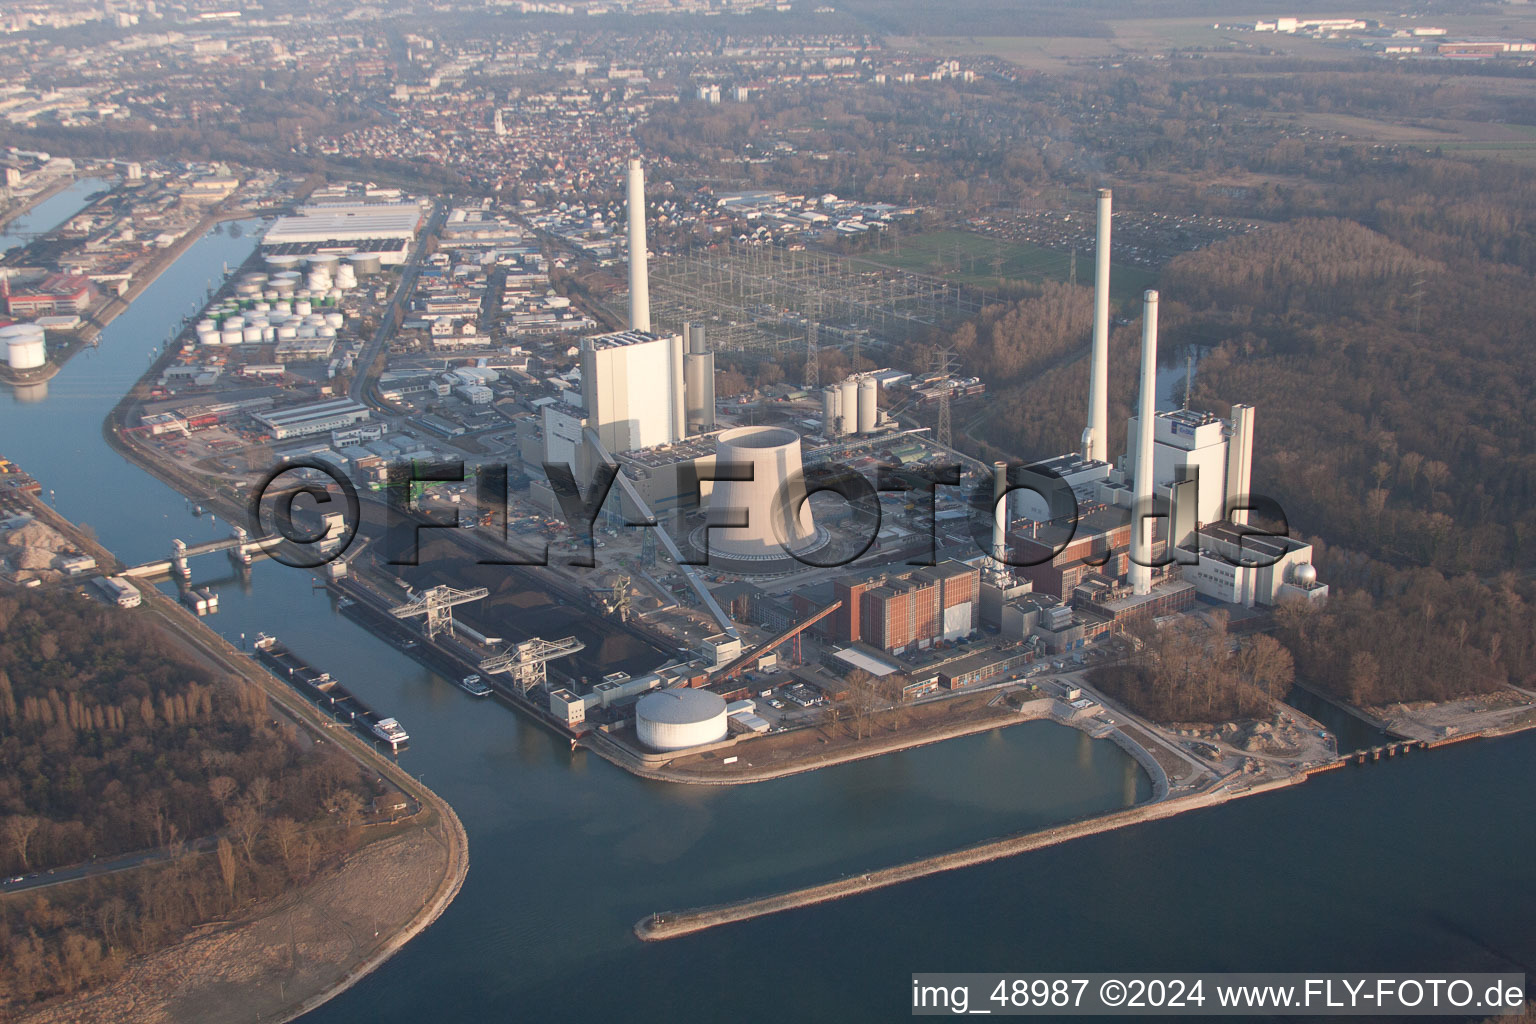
{"points": [[112, 741]]}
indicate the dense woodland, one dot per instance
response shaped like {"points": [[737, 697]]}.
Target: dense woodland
{"points": [[113, 741], [1190, 671]]}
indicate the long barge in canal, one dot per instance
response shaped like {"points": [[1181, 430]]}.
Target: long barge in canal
{"points": [[330, 695]]}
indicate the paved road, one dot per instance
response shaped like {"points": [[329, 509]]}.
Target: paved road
{"points": [[58, 876], [362, 380]]}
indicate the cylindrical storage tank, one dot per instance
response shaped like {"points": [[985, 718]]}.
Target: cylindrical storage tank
{"points": [[318, 283], [251, 335], [234, 321], [282, 263], [263, 307], [291, 276], [345, 278], [334, 295], [848, 404], [282, 306], [325, 332], [208, 337], [206, 324], [269, 334], [334, 320], [831, 405], [302, 307], [307, 331], [315, 319], [365, 262], [247, 290], [284, 290], [680, 718], [322, 261], [25, 346], [269, 294], [287, 333], [231, 335], [774, 500], [699, 391], [869, 404]]}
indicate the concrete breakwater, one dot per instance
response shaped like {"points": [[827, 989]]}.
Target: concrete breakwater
{"points": [[672, 924]]}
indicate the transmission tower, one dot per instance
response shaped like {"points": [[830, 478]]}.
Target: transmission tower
{"points": [[944, 363], [812, 346]]}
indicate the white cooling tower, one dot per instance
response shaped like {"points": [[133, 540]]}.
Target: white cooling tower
{"points": [[770, 499], [869, 404], [639, 284], [1146, 426]]}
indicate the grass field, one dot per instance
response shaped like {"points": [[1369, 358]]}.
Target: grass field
{"points": [[978, 261]]}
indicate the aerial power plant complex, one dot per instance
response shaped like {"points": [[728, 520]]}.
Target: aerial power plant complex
{"points": [[1071, 549]]}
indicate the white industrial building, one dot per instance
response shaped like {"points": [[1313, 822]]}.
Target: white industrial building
{"points": [[632, 386], [350, 222], [314, 418], [1248, 569]]}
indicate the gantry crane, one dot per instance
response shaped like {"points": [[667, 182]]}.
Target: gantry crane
{"points": [[526, 660], [437, 605]]}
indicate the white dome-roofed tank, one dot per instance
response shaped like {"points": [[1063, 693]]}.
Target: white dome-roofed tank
{"points": [[366, 262], [1304, 574], [778, 516], [680, 718], [25, 346], [283, 261]]}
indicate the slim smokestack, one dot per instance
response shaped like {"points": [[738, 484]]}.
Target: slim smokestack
{"points": [[639, 280], [1096, 436], [999, 511], [1240, 462], [1146, 415]]}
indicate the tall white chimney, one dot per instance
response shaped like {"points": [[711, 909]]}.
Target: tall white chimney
{"points": [[1240, 461], [999, 512], [1146, 425], [1096, 436], [639, 280]]}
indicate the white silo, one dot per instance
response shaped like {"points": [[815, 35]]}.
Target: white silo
{"points": [[335, 320], [25, 346], [680, 718], [231, 336], [251, 334], [208, 337], [831, 411], [302, 307], [778, 517], [869, 404], [848, 404], [365, 262]]}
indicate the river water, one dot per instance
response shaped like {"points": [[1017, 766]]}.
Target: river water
{"points": [[1417, 863], [51, 212]]}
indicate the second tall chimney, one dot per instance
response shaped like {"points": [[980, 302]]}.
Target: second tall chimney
{"points": [[1096, 436], [1146, 425]]}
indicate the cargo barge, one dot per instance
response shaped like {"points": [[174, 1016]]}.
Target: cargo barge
{"points": [[329, 694]]}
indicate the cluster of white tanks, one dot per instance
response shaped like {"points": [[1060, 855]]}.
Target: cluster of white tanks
{"points": [[288, 301], [851, 406], [25, 346]]}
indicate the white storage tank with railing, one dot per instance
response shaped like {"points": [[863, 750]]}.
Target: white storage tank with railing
{"points": [[869, 404], [680, 718], [26, 346]]}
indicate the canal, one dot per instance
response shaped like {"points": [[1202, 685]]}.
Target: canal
{"points": [[1390, 866], [51, 212]]}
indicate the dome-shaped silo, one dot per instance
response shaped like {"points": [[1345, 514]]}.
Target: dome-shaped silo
{"points": [[680, 718]]}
